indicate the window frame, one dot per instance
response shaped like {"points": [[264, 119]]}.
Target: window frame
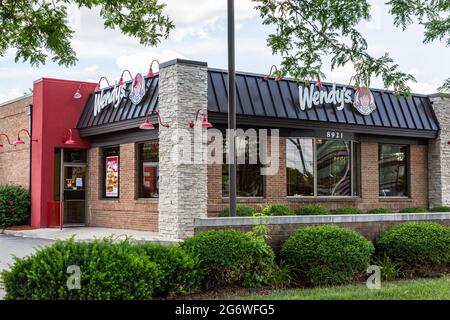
{"points": [[102, 192], [407, 171], [140, 169], [355, 159]]}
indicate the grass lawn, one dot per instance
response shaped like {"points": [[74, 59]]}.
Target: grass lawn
{"points": [[420, 289]]}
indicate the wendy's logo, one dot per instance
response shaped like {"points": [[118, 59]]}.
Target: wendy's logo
{"points": [[364, 101], [137, 92]]}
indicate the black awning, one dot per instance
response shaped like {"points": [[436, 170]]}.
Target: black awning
{"points": [[273, 103], [277, 104]]}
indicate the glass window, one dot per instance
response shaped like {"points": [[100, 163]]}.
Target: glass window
{"points": [[249, 181], [110, 172], [300, 166], [333, 168], [148, 159], [393, 170]]}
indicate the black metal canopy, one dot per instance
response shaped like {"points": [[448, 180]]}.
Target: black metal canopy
{"points": [[271, 103]]}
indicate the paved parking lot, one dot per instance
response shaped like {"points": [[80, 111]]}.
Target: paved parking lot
{"points": [[16, 246]]}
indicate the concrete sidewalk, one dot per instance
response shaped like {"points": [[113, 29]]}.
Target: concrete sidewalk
{"points": [[87, 233]]}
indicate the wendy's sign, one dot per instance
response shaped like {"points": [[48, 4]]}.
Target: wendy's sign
{"points": [[113, 96], [313, 96]]}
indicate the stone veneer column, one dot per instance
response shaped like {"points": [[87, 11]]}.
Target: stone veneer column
{"points": [[183, 194], [439, 154]]}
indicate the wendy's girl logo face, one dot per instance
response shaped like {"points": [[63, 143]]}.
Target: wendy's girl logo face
{"points": [[364, 101], [137, 91]]}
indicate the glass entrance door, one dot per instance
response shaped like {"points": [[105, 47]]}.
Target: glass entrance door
{"points": [[74, 187]]}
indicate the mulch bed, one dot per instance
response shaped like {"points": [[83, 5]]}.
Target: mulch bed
{"points": [[20, 228]]}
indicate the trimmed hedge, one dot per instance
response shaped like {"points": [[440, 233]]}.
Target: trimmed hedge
{"points": [[232, 257], [277, 210], [440, 209], [180, 270], [413, 210], [108, 271], [347, 211], [416, 243], [379, 210], [311, 209], [327, 255], [14, 206], [241, 211]]}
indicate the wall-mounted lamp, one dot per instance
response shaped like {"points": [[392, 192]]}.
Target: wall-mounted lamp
{"points": [[204, 124], [121, 77], [97, 88], [7, 139], [277, 74], [77, 95], [70, 141], [148, 126], [19, 140], [150, 73]]}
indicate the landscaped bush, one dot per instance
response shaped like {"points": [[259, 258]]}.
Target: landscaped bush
{"points": [[440, 209], [416, 244], [413, 210], [241, 211], [14, 205], [232, 257], [347, 211], [277, 210], [311, 209], [327, 255], [379, 210], [108, 271], [180, 270]]}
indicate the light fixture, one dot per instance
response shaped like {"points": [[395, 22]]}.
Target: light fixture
{"points": [[78, 94], [148, 126], [19, 141], [70, 141], [204, 124], [7, 139], [150, 73], [121, 77], [277, 74], [318, 84], [97, 88]]}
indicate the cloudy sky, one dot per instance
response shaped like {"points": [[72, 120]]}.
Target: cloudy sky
{"points": [[200, 34]]}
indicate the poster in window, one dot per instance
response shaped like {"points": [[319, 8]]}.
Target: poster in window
{"points": [[112, 176], [150, 175]]}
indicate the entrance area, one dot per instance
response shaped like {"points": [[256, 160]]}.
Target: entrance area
{"points": [[70, 186]]}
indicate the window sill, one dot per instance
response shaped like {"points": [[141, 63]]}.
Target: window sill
{"points": [[395, 199], [145, 200], [244, 199], [321, 199]]}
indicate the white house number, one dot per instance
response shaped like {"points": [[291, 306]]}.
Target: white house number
{"points": [[335, 135]]}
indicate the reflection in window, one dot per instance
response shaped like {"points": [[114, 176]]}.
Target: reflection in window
{"points": [[393, 170], [300, 167], [333, 168], [148, 159]]}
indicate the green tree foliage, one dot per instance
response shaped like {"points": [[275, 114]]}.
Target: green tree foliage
{"points": [[39, 30], [308, 31]]}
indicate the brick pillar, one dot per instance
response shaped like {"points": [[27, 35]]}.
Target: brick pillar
{"points": [[369, 175], [183, 190], [439, 154]]}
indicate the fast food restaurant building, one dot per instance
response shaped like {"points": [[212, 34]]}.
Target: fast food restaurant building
{"points": [[87, 161]]}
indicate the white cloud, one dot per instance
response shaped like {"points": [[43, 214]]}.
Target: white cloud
{"points": [[140, 62], [423, 87], [10, 93]]}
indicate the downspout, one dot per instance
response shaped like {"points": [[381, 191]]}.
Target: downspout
{"points": [[29, 110]]}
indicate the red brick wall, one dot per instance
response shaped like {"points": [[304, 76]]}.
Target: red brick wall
{"points": [[275, 185], [127, 212], [14, 161]]}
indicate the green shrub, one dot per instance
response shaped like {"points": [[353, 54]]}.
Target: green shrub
{"points": [[390, 270], [440, 209], [416, 243], [379, 210], [311, 209], [241, 211], [277, 210], [14, 205], [327, 255], [413, 210], [347, 211], [232, 257], [108, 271], [180, 270]]}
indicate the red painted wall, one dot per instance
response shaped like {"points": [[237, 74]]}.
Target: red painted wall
{"points": [[54, 111]]}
